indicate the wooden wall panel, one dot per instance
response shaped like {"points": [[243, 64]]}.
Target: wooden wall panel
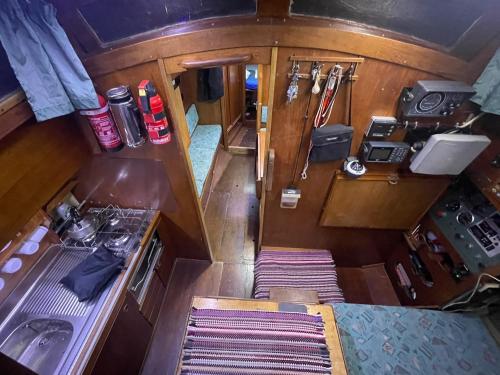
{"points": [[375, 93], [372, 201], [209, 112], [36, 160], [322, 34], [235, 91], [180, 209]]}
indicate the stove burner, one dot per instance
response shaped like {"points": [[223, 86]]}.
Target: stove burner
{"points": [[118, 238]]}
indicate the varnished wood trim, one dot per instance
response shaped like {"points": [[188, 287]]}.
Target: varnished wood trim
{"points": [[333, 59], [15, 117], [12, 100], [267, 141], [197, 64], [241, 150], [257, 55], [270, 104], [307, 76], [177, 112], [270, 170], [337, 38]]}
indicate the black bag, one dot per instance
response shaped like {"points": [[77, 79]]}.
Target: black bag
{"points": [[330, 142], [89, 278]]}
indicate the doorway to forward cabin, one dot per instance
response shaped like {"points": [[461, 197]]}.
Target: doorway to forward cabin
{"points": [[224, 115]]}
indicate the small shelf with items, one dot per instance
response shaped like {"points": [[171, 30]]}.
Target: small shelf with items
{"points": [[441, 275]]}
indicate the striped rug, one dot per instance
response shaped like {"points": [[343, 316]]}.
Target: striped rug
{"points": [[224, 342], [307, 269]]}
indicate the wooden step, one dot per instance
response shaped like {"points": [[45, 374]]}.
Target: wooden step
{"points": [[369, 285]]}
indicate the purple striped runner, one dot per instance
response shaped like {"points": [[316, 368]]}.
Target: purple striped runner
{"points": [[308, 270], [226, 342]]}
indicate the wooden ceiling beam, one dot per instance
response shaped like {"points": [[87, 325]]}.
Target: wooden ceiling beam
{"points": [[282, 35]]}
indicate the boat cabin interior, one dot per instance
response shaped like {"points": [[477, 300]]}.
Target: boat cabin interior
{"points": [[269, 187]]}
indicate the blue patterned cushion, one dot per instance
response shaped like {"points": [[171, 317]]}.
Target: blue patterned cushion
{"points": [[402, 340], [204, 142], [192, 118], [206, 136]]}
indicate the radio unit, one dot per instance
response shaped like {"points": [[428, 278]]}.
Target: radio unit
{"points": [[433, 98], [385, 152]]}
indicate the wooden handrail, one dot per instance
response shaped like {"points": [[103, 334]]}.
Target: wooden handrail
{"points": [[238, 59]]}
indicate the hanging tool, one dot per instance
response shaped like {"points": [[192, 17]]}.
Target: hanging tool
{"points": [[153, 113], [328, 97], [316, 77], [325, 108], [293, 88]]}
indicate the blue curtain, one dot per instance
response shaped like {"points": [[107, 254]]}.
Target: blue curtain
{"points": [[487, 87], [45, 63]]}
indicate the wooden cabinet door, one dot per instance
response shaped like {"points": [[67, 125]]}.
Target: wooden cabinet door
{"points": [[380, 201], [127, 343]]}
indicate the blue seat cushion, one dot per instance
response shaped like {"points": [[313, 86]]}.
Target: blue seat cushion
{"points": [[404, 340], [206, 136], [204, 142], [192, 119]]}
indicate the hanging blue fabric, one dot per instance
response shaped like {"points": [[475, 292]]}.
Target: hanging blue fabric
{"points": [[487, 87], [45, 63]]}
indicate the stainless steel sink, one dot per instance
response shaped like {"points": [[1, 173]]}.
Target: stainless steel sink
{"points": [[39, 344], [44, 326]]}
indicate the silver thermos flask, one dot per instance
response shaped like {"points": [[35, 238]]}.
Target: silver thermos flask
{"points": [[127, 116]]}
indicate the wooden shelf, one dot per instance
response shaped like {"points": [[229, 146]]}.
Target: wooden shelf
{"points": [[334, 59], [322, 76]]}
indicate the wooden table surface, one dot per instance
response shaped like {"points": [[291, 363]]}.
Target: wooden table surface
{"points": [[326, 311]]}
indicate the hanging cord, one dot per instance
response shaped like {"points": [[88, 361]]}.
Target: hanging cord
{"points": [[315, 74], [325, 108], [348, 76], [306, 118], [471, 294]]}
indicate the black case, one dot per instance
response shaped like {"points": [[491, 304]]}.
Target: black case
{"points": [[331, 142]]}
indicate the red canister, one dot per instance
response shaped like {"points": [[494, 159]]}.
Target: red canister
{"points": [[104, 127]]}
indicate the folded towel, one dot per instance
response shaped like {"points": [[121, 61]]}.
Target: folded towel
{"points": [[90, 277]]}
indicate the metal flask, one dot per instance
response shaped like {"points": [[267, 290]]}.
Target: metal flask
{"points": [[127, 116]]}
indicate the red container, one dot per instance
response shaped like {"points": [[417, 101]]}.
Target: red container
{"points": [[153, 113], [104, 127]]}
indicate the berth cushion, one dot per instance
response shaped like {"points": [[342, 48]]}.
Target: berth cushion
{"points": [[192, 119], [301, 269], [404, 340], [204, 142]]}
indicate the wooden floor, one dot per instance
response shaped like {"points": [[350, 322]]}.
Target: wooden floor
{"points": [[244, 135], [231, 216], [200, 278]]}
